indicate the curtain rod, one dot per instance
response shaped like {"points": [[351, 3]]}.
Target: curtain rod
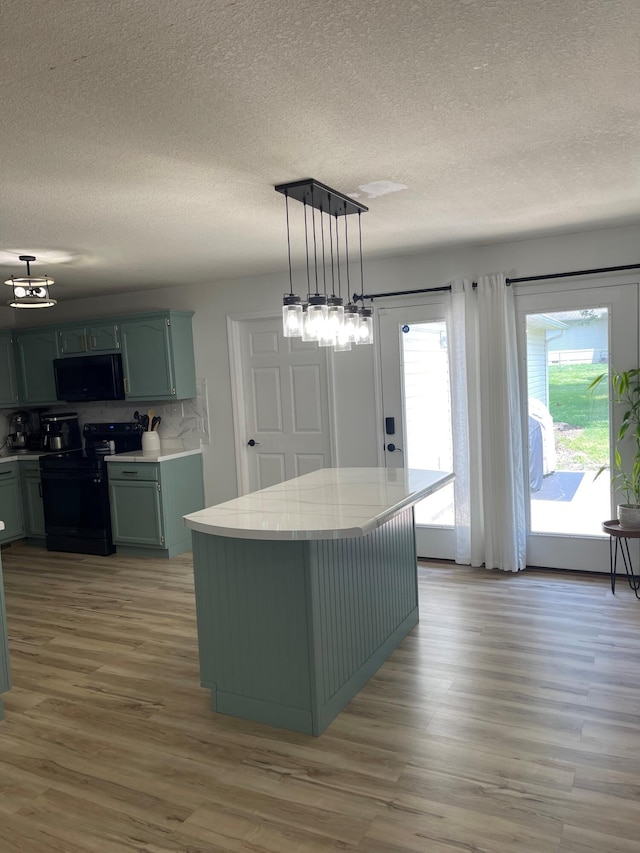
{"points": [[509, 281], [575, 272]]}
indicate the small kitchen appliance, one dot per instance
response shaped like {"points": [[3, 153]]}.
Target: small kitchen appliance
{"points": [[19, 432], [60, 431], [89, 377], [75, 491]]}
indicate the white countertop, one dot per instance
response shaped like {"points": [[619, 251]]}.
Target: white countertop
{"points": [[331, 503], [12, 456], [134, 456], [151, 456]]}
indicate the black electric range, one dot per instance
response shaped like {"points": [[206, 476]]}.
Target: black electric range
{"points": [[75, 490]]}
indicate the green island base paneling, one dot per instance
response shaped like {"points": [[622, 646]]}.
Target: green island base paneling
{"points": [[300, 720], [290, 631]]}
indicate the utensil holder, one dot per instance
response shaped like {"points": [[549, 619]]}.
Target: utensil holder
{"points": [[150, 442]]}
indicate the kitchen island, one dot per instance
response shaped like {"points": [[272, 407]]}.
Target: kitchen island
{"points": [[304, 589]]}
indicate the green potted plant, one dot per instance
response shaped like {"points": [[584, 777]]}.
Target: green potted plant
{"points": [[626, 390]]}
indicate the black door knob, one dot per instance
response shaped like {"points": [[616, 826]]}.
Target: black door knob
{"points": [[391, 448], [252, 443]]}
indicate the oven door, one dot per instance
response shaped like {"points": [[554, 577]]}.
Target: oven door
{"points": [[76, 503]]}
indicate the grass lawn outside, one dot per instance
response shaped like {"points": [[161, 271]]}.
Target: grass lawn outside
{"points": [[581, 417]]}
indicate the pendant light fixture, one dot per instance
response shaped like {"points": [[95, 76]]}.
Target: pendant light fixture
{"points": [[323, 318], [364, 334], [291, 304], [30, 291]]}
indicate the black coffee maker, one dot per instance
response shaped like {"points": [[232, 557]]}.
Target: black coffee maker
{"points": [[60, 431], [19, 432]]}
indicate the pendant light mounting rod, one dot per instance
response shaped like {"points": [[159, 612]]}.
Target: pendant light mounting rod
{"points": [[312, 192]]}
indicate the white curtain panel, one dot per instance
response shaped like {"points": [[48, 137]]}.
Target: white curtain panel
{"points": [[487, 442]]}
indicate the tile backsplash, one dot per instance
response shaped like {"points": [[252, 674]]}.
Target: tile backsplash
{"points": [[186, 420]]}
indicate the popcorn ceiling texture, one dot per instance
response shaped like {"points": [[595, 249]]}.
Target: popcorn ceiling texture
{"points": [[144, 139]]}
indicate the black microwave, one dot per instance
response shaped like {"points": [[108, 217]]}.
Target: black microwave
{"points": [[89, 377]]}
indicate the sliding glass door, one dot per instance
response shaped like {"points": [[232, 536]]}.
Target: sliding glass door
{"points": [[569, 334]]}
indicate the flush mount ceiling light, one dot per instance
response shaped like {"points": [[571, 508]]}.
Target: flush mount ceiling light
{"points": [[30, 291], [324, 317]]}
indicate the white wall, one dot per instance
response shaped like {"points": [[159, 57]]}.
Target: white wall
{"points": [[355, 377]]}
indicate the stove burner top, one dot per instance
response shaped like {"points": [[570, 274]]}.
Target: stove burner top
{"points": [[100, 440]]}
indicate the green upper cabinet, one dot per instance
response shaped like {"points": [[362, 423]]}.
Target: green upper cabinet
{"points": [[97, 337], [8, 382], [157, 356], [35, 351]]}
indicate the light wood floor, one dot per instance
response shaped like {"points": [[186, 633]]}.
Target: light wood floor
{"points": [[507, 722]]}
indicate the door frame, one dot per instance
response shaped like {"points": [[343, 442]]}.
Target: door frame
{"points": [[437, 541], [568, 545], [238, 408]]}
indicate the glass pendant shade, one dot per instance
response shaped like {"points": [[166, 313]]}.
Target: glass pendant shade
{"points": [[342, 344], [365, 326], [335, 314], [316, 317], [305, 323], [326, 339], [292, 317], [351, 322], [334, 322]]}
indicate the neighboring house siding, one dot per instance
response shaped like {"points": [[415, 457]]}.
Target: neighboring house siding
{"points": [[538, 386], [584, 342]]}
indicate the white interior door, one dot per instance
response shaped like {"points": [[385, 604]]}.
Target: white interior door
{"points": [[417, 412], [571, 332], [281, 404]]}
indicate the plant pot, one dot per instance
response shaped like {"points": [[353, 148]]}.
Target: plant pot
{"points": [[629, 516]]}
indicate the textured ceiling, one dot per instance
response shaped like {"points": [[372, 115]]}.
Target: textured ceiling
{"points": [[142, 139]]}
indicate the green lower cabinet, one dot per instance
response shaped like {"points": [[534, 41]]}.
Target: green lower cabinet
{"points": [[5, 674], [136, 513], [32, 506], [10, 502], [148, 501]]}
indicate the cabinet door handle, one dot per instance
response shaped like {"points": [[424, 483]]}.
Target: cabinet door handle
{"points": [[129, 472], [126, 385], [4, 473], [40, 488], [92, 342]]}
